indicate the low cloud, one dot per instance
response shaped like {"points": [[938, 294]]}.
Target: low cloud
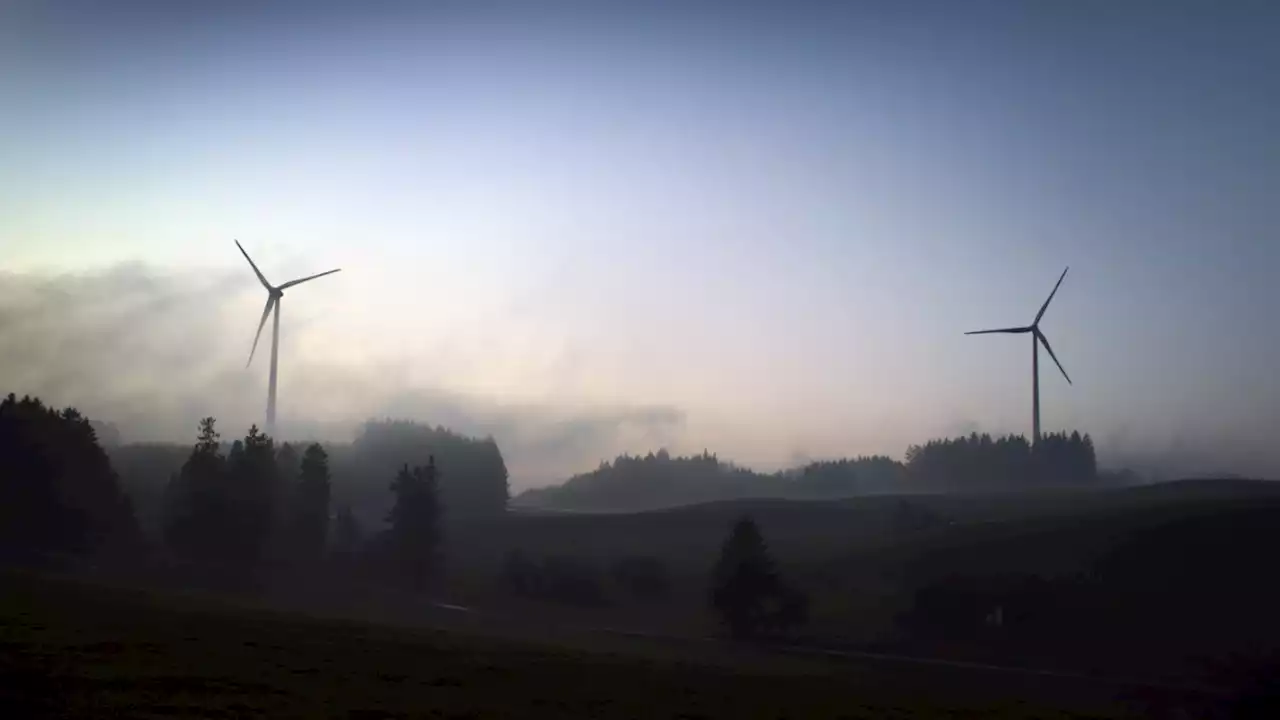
{"points": [[153, 352]]}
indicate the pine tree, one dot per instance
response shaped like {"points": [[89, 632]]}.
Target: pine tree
{"points": [[745, 580], [287, 462], [59, 496], [198, 502], [254, 485], [310, 506], [347, 533], [415, 523]]}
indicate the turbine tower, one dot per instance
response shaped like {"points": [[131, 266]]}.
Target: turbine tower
{"points": [[1037, 337], [274, 295]]}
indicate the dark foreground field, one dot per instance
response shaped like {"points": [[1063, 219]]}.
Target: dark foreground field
{"points": [[69, 649]]}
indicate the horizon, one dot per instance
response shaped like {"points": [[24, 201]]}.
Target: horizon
{"points": [[757, 229], [1148, 470]]}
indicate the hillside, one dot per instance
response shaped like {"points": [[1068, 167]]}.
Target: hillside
{"points": [[74, 650], [971, 464], [866, 561], [658, 480], [809, 530]]}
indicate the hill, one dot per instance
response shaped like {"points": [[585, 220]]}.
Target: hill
{"points": [[872, 564], [658, 480], [972, 464]]}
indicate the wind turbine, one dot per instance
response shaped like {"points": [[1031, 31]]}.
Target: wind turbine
{"points": [[1037, 337], [274, 295]]}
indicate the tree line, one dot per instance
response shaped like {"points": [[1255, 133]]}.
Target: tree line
{"points": [[234, 513], [229, 516], [657, 480], [965, 464], [59, 496], [981, 462], [472, 477]]}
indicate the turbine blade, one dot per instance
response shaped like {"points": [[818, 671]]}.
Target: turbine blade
{"points": [[257, 272], [1045, 306], [1040, 336], [271, 301], [1001, 330], [299, 281]]}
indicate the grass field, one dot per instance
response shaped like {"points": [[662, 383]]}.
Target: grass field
{"points": [[69, 649], [73, 649]]}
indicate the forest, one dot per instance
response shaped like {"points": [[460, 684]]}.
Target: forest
{"points": [[473, 484], [975, 463]]}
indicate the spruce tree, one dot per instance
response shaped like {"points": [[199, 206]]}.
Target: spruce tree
{"points": [[347, 533], [310, 523], [744, 580], [414, 535], [199, 505]]}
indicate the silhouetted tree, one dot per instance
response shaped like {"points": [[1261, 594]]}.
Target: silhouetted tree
{"points": [[287, 461], [283, 546], [746, 590], [655, 481], [253, 483], [414, 535], [473, 475], [658, 480], [107, 433], [147, 472], [235, 454], [223, 508], [199, 505], [310, 505], [347, 533], [58, 492], [848, 477], [979, 462]]}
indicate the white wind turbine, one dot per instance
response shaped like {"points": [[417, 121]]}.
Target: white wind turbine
{"points": [[1037, 338], [274, 295]]}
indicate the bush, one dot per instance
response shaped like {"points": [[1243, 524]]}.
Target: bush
{"points": [[568, 580], [643, 577], [572, 581], [520, 574]]}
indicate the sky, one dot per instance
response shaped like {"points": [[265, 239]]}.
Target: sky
{"points": [[596, 227]]}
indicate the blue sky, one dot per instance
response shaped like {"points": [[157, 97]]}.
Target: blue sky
{"points": [[772, 223]]}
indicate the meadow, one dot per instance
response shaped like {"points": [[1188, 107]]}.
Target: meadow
{"points": [[72, 649]]}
